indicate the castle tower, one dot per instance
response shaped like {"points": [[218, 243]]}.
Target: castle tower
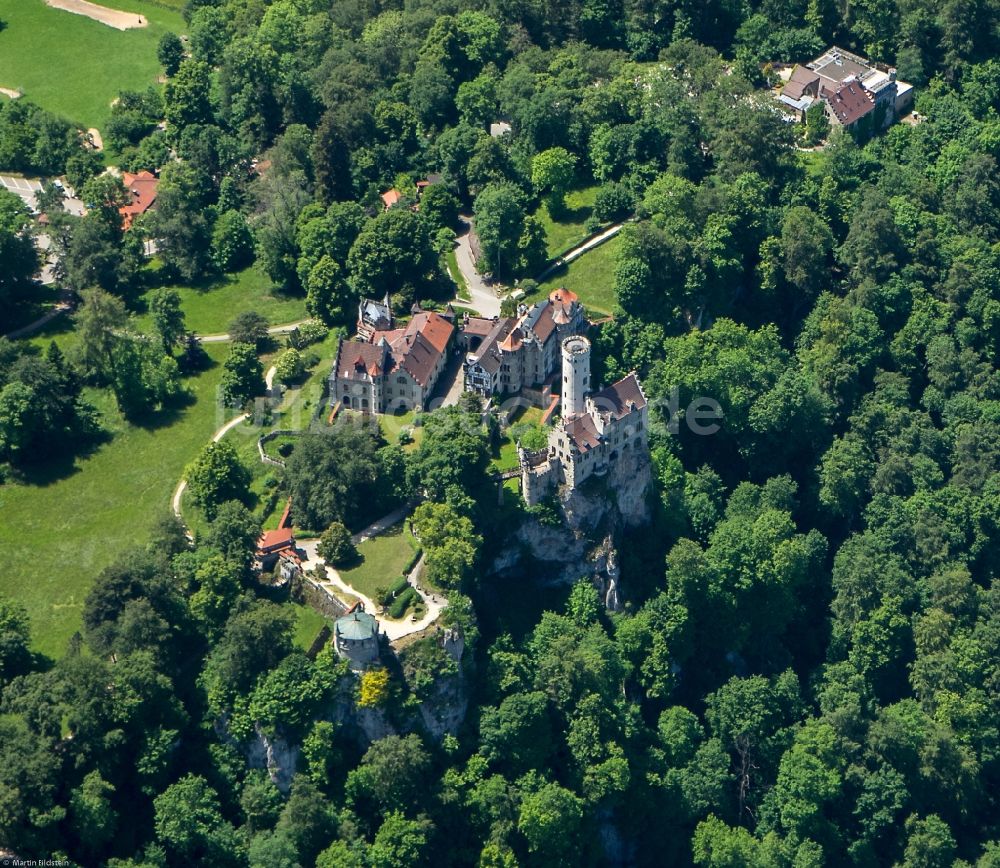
{"points": [[575, 374]]}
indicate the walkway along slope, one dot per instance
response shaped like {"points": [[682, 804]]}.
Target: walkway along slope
{"points": [[175, 501]]}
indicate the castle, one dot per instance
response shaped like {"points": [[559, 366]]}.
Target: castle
{"points": [[510, 353], [387, 368], [595, 430]]}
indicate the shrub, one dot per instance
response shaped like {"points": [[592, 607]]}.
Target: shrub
{"points": [[613, 202], [402, 603], [289, 367]]}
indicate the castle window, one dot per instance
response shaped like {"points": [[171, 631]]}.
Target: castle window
{"points": [[401, 380]]}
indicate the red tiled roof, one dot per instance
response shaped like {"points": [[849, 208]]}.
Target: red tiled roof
{"points": [[479, 326], [803, 79], [357, 360], [850, 102], [620, 398], [434, 327], [512, 342], [581, 430], [142, 188], [563, 301], [545, 324], [272, 540], [391, 197]]}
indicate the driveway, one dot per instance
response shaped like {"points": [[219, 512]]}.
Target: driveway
{"points": [[484, 298], [450, 385]]}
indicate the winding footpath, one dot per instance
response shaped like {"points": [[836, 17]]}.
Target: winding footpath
{"points": [[175, 501], [433, 603]]}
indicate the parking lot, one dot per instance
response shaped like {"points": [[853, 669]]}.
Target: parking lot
{"points": [[27, 187]]}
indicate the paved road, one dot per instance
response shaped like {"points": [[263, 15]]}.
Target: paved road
{"points": [[175, 501], [484, 297], [26, 188]]}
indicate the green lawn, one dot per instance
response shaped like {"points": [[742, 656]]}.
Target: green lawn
{"points": [[210, 308], [382, 560], [294, 413], [568, 230], [461, 288], [61, 530], [591, 276], [74, 66], [308, 623]]}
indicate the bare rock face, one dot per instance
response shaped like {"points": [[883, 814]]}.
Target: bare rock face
{"points": [[599, 510], [442, 713], [618, 498], [275, 755]]}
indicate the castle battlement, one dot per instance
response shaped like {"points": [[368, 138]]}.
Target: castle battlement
{"points": [[595, 430]]}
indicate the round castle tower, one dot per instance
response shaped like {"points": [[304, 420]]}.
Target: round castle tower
{"points": [[575, 374]]}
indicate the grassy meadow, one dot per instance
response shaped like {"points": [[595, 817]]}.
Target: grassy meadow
{"points": [[591, 276], [74, 66], [210, 307], [70, 521], [567, 230]]}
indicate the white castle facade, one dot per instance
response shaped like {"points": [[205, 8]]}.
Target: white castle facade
{"points": [[596, 429]]}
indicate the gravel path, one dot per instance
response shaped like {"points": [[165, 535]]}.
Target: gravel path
{"points": [[175, 501], [434, 603], [282, 329], [112, 17]]}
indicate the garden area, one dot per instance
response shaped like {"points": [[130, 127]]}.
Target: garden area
{"points": [[74, 66], [381, 562]]}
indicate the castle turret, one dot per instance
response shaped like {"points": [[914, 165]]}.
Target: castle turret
{"points": [[575, 374]]}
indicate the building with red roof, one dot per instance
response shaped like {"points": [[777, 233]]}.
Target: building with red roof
{"points": [[142, 188], [521, 351], [395, 369]]}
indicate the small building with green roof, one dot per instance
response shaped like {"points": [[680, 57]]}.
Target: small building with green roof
{"points": [[355, 637]]}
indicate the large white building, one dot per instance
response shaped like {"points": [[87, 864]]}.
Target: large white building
{"points": [[595, 430]]}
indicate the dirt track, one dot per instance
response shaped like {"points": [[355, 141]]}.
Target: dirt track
{"points": [[111, 17]]}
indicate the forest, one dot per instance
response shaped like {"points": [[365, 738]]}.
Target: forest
{"points": [[806, 671]]}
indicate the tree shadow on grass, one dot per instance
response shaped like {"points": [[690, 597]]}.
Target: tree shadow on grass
{"points": [[58, 465], [565, 214]]}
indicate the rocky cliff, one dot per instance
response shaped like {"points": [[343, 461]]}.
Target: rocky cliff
{"points": [[592, 517]]}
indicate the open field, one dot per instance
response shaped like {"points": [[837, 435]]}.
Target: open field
{"points": [[208, 309], [592, 277], [74, 66], [71, 522], [382, 560], [568, 230]]}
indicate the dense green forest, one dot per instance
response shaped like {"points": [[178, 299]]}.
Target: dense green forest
{"points": [[807, 668]]}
